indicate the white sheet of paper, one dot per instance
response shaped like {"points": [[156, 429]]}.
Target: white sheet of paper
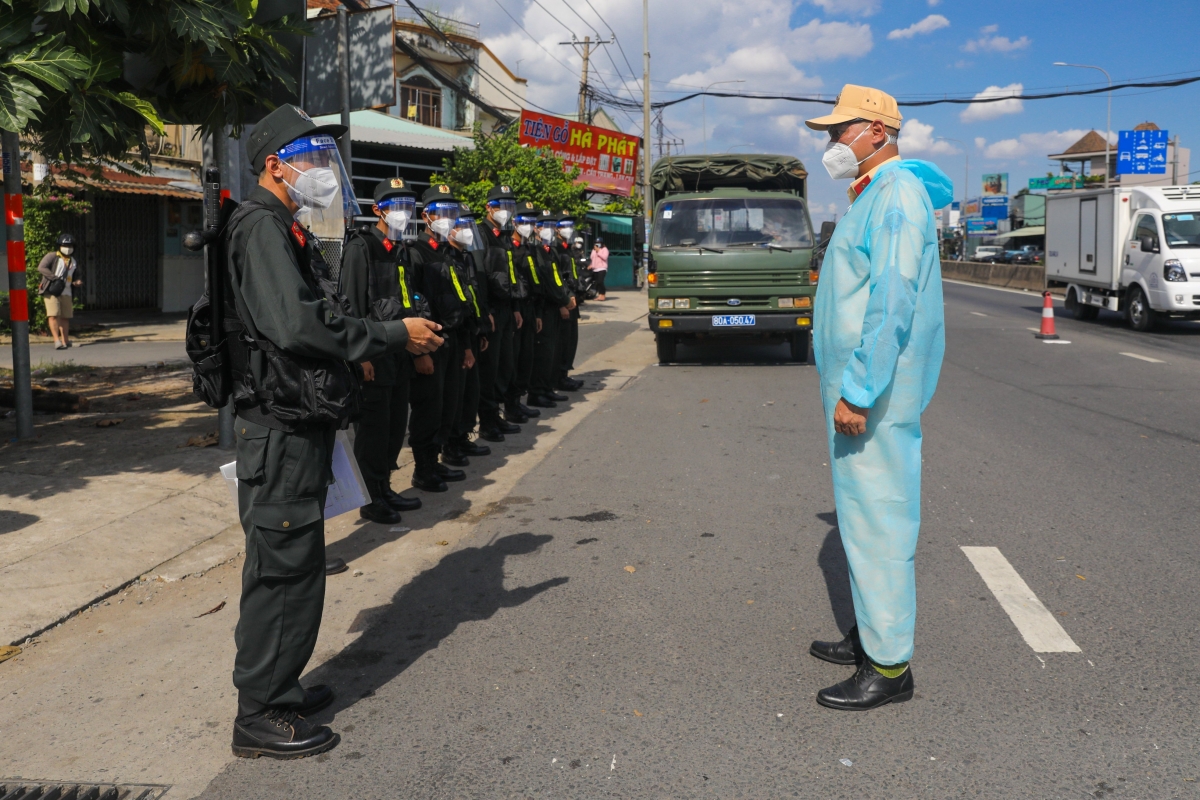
{"points": [[347, 492]]}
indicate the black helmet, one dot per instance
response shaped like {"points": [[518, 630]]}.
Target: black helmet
{"points": [[66, 240]]}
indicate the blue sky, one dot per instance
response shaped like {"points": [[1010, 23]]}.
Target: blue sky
{"points": [[905, 47]]}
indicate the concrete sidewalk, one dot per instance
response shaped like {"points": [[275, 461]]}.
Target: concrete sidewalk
{"points": [[87, 510]]}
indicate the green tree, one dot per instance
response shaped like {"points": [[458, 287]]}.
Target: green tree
{"points": [[623, 205], [535, 174], [82, 79]]}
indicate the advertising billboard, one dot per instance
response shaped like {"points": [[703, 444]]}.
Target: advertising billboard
{"points": [[980, 227], [608, 159], [995, 184], [995, 207], [972, 208]]}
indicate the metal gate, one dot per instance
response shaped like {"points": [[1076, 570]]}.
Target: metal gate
{"points": [[126, 250]]}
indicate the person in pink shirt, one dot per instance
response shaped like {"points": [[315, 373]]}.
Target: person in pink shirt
{"points": [[599, 266]]}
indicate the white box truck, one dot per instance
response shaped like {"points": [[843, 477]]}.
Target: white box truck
{"points": [[1135, 250]]}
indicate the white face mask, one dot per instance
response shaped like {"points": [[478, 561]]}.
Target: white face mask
{"points": [[464, 236], [525, 230], [566, 233], [501, 217], [397, 222], [442, 227], [66, 250], [839, 159], [316, 187], [547, 234]]}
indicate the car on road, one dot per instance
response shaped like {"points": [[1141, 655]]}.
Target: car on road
{"points": [[1029, 254], [989, 254]]}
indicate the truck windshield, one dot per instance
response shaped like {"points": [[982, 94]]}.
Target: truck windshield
{"points": [[1182, 230], [732, 222]]}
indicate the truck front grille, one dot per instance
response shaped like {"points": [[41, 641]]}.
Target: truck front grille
{"points": [[721, 304], [733, 279]]}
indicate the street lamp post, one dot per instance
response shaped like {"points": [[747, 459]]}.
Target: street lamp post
{"points": [[704, 116], [962, 209], [1108, 124]]}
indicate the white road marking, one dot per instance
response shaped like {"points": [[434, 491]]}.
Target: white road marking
{"points": [[1144, 358], [978, 314], [1037, 626], [1026, 292], [1035, 330]]}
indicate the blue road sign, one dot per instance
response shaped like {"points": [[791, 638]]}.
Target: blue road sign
{"points": [[995, 207], [1142, 153]]}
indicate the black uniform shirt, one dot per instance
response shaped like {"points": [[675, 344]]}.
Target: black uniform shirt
{"points": [[438, 274], [276, 303], [372, 252]]}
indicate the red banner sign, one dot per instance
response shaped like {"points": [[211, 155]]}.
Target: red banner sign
{"points": [[607, 158]]}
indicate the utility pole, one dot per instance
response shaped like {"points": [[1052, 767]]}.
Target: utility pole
{"points": [[18, 295], [647, 205], [343, 40], [588, 47]]}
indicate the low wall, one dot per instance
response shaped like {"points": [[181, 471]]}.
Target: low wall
{"points": [[1013, 276]]}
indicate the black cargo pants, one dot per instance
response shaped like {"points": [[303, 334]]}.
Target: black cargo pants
{"points": [[545, 351], [282, 481], [373, 436], [455, 384], [426, 395], [468, 412], [568, 345], [400, 400], [523, 351], [496, 365]]}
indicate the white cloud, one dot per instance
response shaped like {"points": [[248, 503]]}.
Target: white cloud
{"points": [[977, 112], [928, 25], [987, 43], [849, 8], [1029, 144], [825, 41], [933, 3], [917, 137]]}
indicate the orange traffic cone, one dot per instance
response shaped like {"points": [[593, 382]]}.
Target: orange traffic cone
{"points": [[1047, 331]]}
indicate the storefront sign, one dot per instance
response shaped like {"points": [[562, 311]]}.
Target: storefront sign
{"points": [[608, 159]]}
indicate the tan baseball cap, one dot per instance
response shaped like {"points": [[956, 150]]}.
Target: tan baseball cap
{"points": [[860, 102]]}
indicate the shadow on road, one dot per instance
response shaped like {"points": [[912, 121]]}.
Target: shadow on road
{"points": [[465, 586], [832, 560]]}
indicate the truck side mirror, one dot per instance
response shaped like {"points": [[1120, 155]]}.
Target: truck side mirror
{"points": [[1149, 245], [827, 228]]}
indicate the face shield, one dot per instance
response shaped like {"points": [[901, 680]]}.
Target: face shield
{"points": [[440, 218], [566, 229], [317, 182], [525, 227], [502, 211], [397, 212], [464, 232], [547, 231]]}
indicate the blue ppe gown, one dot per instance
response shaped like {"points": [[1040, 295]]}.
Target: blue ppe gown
{"points": [[879, 337]]}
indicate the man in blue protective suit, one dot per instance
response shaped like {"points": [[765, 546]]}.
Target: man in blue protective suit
{"points": [[878, 339]]}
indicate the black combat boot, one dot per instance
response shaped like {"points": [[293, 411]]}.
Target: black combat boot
{"points": [[542, 401], [527, 411], [556, 397], [567, 384], [335, 566], [469, 448], [425, 475], [513, 413], [380, 511], [447, 474], [453, 456], [400, 502], [280, 733], [489, 430]]}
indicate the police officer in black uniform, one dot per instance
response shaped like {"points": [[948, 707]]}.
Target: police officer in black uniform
{"points": [[460, 446], [525, 244], [505, 293], [287, 336], [568, 342], [437, 383], [555, 303], [373, 280]]}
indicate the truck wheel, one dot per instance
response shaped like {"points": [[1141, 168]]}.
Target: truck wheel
{"points": [[665, 344], [800, 342], [1138, 311], [1079, 310]]}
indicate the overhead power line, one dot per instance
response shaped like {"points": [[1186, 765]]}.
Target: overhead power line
{"points": [[531, 36], [618, 101]]}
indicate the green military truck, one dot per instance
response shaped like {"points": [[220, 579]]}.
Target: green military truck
{"points": [[730, 248]]}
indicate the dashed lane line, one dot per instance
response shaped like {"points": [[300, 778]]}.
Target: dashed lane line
{"points": [[979, 314], [1037, 626], [1144, 358]]}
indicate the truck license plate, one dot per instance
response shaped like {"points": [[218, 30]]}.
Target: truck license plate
{"points": [[732, 320]]}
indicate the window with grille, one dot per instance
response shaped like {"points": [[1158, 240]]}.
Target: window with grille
{"points": [[421, 101]]}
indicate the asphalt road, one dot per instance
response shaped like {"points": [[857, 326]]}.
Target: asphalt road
{"points": [[635, 625]]}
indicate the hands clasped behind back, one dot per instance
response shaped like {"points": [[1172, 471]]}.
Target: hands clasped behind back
{"points": [[422, 335]]}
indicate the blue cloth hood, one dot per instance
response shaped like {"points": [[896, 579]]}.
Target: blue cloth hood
{"points": [[937, 183]]}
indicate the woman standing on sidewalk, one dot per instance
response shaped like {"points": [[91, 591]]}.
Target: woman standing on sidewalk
{"points": [[57, 269], [599, 266]]}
